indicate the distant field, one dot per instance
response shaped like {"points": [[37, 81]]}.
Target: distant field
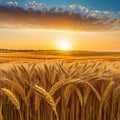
{"points": [[13, 56]]}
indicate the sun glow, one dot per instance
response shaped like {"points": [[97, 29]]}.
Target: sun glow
{"points": [[64, 45]]}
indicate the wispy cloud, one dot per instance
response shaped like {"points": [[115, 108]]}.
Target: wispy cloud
{"points": [[72, 17], [71, 8], [35, 5], [12, 3]]}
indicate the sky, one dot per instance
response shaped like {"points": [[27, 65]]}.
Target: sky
{"points": [[110, 5], [84, 24]]}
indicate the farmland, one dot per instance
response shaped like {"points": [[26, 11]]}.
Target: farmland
{"points": [[59, 85]]}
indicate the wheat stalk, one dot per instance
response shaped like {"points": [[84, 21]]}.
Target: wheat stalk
{"points": [[79, 96], [94, 90], [1, 116], [37, 102], [48, 98], [107, 90]]}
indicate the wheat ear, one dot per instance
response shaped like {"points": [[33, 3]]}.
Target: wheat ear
{"points": [[12, 98]]}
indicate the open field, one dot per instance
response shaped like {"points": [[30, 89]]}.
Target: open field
{"points": [[59, 85], [15, 56]]}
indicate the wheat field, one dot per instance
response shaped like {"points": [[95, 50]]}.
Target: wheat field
{"points": [[60, 91]]}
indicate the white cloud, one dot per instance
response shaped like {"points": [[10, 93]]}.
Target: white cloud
{"points": [[12, 3], [35, 5], [82, 8], [97, 11], [106, 12], [72, 7]]}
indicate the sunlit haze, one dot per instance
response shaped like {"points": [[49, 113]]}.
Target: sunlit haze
{"points": [[56, 40]]}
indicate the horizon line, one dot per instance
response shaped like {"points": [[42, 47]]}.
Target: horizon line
{"points": [[25, 50]]}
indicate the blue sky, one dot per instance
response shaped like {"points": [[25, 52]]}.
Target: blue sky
{"points": [[110, 5]]}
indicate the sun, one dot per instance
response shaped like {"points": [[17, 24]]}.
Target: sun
{"points": [[64, 45]]}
